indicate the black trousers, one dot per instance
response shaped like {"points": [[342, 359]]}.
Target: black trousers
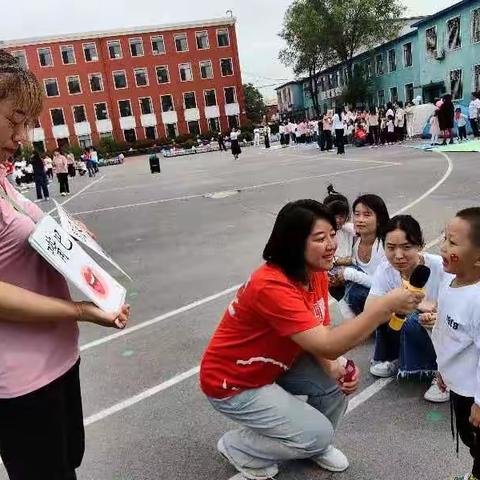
{"points": [[63, 181], [474, 124], [41, 434], [328, 139], [41, 184], [339, 141], [462, 133], [468, 433], [373, 134]]}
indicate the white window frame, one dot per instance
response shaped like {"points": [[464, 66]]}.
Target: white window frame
{"points": [[96, 50], [180, 71], [200, 68], [79, 82], [166, 129], [473, 78], [225, 96], [24, 54], [390, 93], [228, 35], [376, 65], [125, 138], [173, 102], [403, 54], [425, 46], [405, 91], [208, 40], [131, 107], [447, 49], [45, 87], [199, 126], [183, 98], [164, 46], [90, 75], [95, 111], [50, 110], [151, 104], [145, 131], [109, 42], [233, 69], [51, 56], [216, 97], [84, 110], [462, 80], [471, 26], [130, 47], [168, 72], [175, 42], [146, 76], [126, 79], [388, 59], [74, 54]]}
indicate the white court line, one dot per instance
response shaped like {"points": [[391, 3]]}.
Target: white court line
{"points": [[240, 189], [69, 199]]}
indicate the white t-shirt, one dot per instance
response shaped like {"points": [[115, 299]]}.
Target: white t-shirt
{"points": [[337, 122], [345, 238], [234, 135], [377, 258], [456, 337], [387, 278], [472, 110]]}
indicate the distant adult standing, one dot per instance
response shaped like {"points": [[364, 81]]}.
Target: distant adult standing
{"points": [[446, 113], [338, 126], [399, 122], [373, 131], [410, 113], [256, 137], [61, 169], [94, 158], [40, 177], [235, 145], [281, 131], [267, 132], [327, 130], [71, 165], [221, 143], [48, 166], [474, 114]]}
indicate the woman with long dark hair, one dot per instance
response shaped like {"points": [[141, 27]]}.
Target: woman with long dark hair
{"points": [[40, 177], [274, 343], [446, 115]]}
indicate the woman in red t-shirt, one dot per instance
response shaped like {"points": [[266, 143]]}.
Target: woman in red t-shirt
{"points": [[274, 343]]}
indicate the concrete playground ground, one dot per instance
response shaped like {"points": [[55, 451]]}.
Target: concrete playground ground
{"points": [[189, 237]]}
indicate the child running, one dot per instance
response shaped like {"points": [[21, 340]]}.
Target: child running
{"points": [[456, 335]]}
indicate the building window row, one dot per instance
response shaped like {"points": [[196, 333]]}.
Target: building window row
{"points": [[115, 51]]}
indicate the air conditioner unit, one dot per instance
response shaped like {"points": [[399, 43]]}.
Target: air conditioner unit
{"points": [[440, 55]]}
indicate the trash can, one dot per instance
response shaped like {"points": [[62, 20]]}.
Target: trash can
{"points": [[154, 164]]}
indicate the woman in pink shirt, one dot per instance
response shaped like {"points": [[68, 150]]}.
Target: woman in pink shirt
{"points": [[41, 421], [60, 163]]}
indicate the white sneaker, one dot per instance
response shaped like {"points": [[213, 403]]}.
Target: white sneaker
{"points": [[332, 460], [435, 395], [63, 194], [38, 200], [384, 369], [250, 473]]}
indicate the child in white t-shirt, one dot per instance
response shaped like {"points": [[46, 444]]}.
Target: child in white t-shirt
{"points": [[456, 335]]}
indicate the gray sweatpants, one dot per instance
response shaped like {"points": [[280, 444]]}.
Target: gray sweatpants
{"points": [[276, 425]]}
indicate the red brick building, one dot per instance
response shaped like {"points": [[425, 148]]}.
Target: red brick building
{"points": [[135, 84]]}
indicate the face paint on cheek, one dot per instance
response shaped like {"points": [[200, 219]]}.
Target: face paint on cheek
{"points": [[454, 258]]}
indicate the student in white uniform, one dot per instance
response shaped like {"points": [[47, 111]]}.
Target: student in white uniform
{"points": [[456, 334], [408, 351], [256, 137]]}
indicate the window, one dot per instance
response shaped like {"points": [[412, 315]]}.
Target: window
{"points": [[136, 47], [226, 66], [167, 103], [454, 40], [223, 38], [68, 55], [233, 121], [476, 78], [213, 124], [158, 45], [146, 106], [172, 130], [407, 55], [63, 142], [74, 87], [193, 127], [51, 87], [230, 95], [79, 115], [21, 59], [84, 141], [206, 69], [379, 64], [368, 70], [381, 97], [151, 133], [125, 108], [57, 116], [114, 49], [141, 77], [108, 135], [456, 84], [431, 41], [130, 135], [162, 74], [185, 72], [120, 79], [96, 82], [101, 111], [392, 60], [45, 57], [476, 25], [181, 43], [210, 98], [202, 40], [90, 52], [189, 100], [394, 94], [409, 92]]}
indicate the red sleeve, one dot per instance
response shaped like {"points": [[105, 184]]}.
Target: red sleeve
{"points": [[324, 293], [282, 306]]}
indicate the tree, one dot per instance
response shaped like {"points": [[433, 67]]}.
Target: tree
{"points": [[254, 103], [306, 53]]}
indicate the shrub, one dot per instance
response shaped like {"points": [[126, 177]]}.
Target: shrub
{"points": [[76, 150], [147, 143]]}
